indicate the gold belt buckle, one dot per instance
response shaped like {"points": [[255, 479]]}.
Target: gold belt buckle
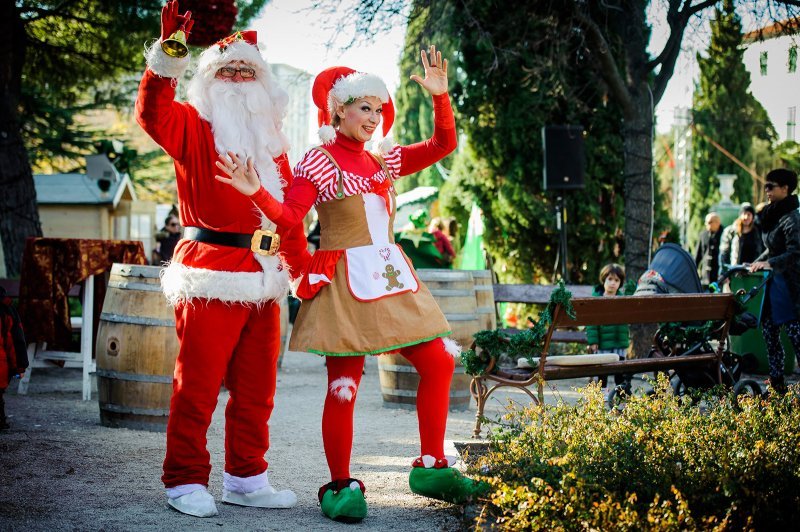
{"points": [[255, 242]]}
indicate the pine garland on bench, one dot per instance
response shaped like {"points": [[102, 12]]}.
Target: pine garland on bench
{"points": [[490, 345]]}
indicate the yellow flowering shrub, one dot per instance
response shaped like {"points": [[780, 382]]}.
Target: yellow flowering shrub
{"points": [[661, 463]]}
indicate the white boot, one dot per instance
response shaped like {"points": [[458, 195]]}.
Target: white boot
{"points": [[199, 503], [255, 491]]}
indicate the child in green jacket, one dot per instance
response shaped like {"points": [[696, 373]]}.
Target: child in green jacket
{"points": [[609, 338]]}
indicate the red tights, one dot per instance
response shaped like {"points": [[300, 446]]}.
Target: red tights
{"points": [[435, 367]]}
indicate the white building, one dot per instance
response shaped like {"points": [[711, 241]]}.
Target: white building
{"points": [[297, 123], [771, 58]]}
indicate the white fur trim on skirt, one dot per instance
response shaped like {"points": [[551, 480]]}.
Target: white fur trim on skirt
{"points": [[183, 283]]}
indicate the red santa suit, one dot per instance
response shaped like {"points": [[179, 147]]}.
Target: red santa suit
{"points": [[227, 318]]}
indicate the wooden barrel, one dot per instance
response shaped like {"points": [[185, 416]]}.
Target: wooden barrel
{"points": [[136, 350], [399, 383], [454, 291], [484, 297]]}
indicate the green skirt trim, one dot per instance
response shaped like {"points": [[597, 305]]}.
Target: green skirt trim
{"points": [[382, 350]]}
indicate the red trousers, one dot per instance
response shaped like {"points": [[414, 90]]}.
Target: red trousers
{"points": [[435, 367], [237, 344]]}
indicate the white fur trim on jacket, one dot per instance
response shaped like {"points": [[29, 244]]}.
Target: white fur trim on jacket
{"points": [[244, 484], [183, 283], [164, 65]]}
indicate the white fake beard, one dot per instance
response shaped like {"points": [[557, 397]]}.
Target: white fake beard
{"points": [[242, 121]]}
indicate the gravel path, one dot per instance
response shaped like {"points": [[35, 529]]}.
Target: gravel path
{"points": [[61, 470]]}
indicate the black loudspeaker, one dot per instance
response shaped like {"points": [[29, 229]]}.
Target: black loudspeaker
{"points": [[564, 157]]}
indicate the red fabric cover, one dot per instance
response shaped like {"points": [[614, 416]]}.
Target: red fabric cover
{"points": [[204, 201], [237, 343], [50, 267]]}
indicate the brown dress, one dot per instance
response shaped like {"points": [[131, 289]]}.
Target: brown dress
{"points": [[338, 323]]}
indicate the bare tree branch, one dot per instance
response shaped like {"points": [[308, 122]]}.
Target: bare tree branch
{"points": [[608, 70]]}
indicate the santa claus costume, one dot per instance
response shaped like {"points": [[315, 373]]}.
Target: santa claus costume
{"points": [[360, 293], [230, 269]]}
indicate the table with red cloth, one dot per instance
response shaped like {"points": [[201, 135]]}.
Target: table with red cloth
{"points": [[50, 267]]}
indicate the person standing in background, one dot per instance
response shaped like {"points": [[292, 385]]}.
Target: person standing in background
{"points": [[440, 240], [741, 241], [780, 225], [706, 255], [167, 239]]}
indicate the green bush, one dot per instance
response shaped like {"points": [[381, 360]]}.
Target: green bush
{"points": [[661, 463]]}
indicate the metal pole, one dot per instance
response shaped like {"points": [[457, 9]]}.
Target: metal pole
{"points": [[561, 224]]}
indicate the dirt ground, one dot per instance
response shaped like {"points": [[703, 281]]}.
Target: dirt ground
{"points": [[61, 470]]}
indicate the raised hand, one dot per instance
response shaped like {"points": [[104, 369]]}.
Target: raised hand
{"points": [[243, 176], [171, 21], [435, 81]]}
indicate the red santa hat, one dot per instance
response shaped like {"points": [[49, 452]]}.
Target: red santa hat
{"points": [[241, 46], [345, 85]]}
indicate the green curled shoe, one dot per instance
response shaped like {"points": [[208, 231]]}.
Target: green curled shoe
{"points": [[343, 500], [444, 483]]}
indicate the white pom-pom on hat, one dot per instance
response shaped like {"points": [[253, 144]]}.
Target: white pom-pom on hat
{"points": [[327, 134]]}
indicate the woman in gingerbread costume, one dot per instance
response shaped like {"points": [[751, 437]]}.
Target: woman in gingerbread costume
{"points": [[360, 293]]}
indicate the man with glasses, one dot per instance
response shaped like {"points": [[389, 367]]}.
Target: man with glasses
{"points": [[232, 266]]}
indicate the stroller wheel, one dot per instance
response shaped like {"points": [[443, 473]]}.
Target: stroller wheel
{"points": [[618, 395], [747, 387]]}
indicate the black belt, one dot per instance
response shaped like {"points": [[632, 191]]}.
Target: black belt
{"points": [[261, 241]]}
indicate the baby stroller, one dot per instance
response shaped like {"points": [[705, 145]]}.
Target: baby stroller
{"points": [[673, 271]]}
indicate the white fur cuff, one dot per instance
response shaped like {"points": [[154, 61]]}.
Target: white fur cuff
{"points": [[386, 145], [245, 484], [164, 65], [183, 489]]}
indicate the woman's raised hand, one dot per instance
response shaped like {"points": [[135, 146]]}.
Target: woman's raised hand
{"points": [[243, 176], [435, 81]]}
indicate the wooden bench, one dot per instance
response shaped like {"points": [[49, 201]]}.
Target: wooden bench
{"points": [[612, 311], [538, 294]]}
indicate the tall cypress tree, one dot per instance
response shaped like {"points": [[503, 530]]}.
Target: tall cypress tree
{"points": [[726, 112], [414, 106]]}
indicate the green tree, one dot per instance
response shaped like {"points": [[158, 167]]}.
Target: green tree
{"points": [[413, 105], [503, 110], [61, 59], [614, 37], [725, 113]]}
